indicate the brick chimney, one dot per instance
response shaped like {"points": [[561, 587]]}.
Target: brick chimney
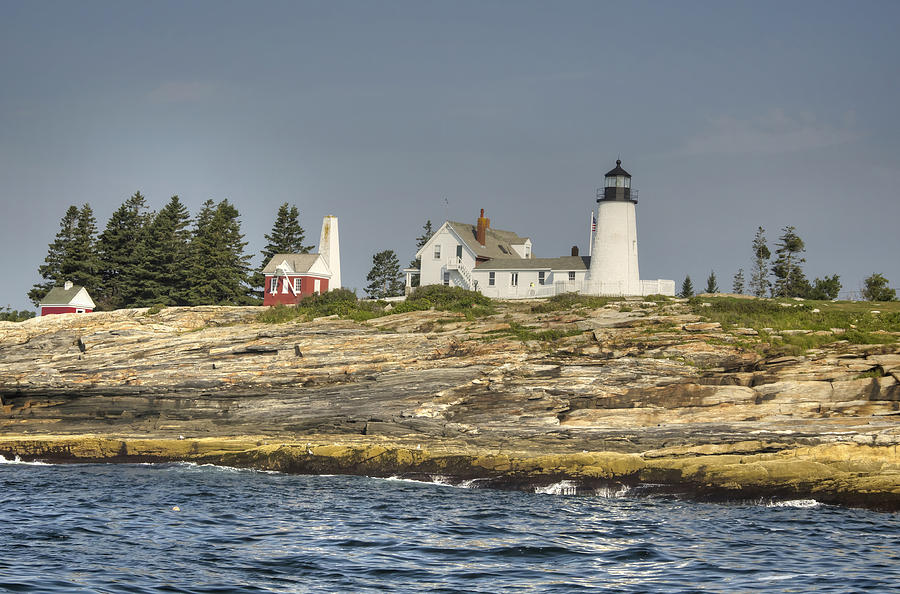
{"points": [[481, 229], [574, 250]]}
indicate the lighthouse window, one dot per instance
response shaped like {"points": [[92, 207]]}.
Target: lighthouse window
{"points": [[627, 182]]}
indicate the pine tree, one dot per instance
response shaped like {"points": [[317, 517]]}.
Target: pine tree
{"points": [[759, 278], [116, 249], [737, 286], [687, 287], [162, 272], [712, 286], [287, 237], [384, 277], [81, 264], [427, 232], [876, 289], [219, 268], [51, 270], [789, 278]]}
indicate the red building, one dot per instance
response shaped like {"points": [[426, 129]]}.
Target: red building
{"points": [[67, 299], [291, 277]]}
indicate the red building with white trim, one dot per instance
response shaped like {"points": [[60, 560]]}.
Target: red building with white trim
{"points": [[69, 298], [291, 277]]}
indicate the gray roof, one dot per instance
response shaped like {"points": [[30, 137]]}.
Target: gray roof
{"points": [[297, 262], [61, 295], [563, 263], [498, 243]]}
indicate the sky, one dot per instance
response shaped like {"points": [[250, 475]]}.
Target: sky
{"points": [[728, 115]]}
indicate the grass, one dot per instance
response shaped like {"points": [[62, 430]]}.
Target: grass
{"points": [[345, 304], [854, 317], [570, 301]]}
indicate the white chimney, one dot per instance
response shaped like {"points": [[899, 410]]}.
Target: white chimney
{"points": [[68, 285], [330, 250]]}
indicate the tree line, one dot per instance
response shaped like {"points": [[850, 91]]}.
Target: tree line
{"points": [[783, 276], [144, 258]]}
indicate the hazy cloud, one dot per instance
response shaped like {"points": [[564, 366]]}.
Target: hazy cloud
{"points": [[182, 92], [775, 132]]}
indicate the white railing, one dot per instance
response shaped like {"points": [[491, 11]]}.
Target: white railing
{"points": [[463, 271]]}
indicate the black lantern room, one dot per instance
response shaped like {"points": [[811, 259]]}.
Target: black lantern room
{"points": [[617, 186]]}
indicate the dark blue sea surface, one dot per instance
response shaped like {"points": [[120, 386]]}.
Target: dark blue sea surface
{"points": [[186, 528]]}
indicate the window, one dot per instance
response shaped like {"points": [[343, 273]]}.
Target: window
{"points": [[79, 310], [458, 253], [274, 288], [447, 279], [528, 251], [514, 279], [492, 279], [571, 276], [541, 277], [298, 285], [437, 251]]}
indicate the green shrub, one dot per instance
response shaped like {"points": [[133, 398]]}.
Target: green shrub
{"points": [[155, 309]]}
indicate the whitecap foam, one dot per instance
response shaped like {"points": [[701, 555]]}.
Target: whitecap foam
{"points": [[560, 488], [611, 492], [800, 503], [18, 460]]}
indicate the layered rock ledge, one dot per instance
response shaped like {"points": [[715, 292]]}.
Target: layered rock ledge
{"points": [[637, 396]]}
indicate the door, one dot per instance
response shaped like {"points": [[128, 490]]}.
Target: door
{"points": [[458, 253]]}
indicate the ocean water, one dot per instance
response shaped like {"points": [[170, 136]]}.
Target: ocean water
{"points": [[187, 528]]}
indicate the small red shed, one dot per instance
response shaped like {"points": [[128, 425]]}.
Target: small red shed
{"points": [[291, 277], [69, 298]]}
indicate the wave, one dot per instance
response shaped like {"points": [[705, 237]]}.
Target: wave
{"points": [[800, 503], [18, 460], [560, 488]]}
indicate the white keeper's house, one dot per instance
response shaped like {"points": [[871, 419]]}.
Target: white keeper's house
{"points": [[501, 264]]}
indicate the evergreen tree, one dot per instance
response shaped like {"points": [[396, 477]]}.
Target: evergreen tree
{"points": [[117, 253], [287, 237], [384, 277], [163, 256], [427, 232], [219, 268], [712, 286], [759, 277], [737, 286], [51, 270], [687, 287], [825, 289], [81, 264], [789, 278], [876, 289]]}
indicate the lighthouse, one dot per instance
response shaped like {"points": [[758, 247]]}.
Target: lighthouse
{"points": [[614, 253]]}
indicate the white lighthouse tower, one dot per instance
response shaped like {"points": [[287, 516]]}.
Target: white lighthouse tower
{"points": [[614, 252], [330, 250]]}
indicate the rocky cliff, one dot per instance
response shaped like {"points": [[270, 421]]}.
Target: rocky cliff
{"points": [[628, 395]]}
